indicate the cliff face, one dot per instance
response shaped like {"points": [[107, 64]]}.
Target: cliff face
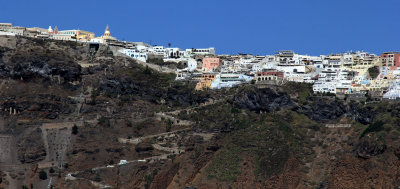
{"points": [[320, 109], [263, 100], [28, 59], [91, 118]]}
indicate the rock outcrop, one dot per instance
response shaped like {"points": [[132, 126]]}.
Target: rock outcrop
{"points": [[369, 147], [362, 115], [265, 99], [31, 148], [323, 109]]}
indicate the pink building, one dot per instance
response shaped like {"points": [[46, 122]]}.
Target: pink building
{"points": [[390, 60], [210, 63]]}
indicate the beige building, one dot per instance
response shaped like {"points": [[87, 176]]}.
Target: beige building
{"points": [[18, 30], [37, 29], [64, 37], [5, 26]]}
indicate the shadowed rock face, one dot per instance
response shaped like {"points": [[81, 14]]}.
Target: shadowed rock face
{"points": [[131, 86], [324, 109], [263, 100], [318, 109], [143, 147], [34, 69], [362, 115], [32, 61]]}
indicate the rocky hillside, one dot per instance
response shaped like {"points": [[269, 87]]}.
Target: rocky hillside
{"points": [[78, 117]]}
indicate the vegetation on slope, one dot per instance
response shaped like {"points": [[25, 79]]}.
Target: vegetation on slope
{"points": [[373, 72]]}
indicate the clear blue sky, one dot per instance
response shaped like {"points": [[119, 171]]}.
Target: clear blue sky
{"points": [[248, 26]]}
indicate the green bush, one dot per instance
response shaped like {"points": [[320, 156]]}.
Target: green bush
{"points": [[373, 72], [374, 127], [42, 175], [75, 130]]}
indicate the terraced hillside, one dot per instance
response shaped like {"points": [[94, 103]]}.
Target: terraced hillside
{"points": [[72, 118]]}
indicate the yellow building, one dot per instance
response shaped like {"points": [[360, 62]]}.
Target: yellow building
{"points": [[205, 81], [78, 34]]}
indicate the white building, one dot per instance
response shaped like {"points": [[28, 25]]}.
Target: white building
{"points": [[394, 92], [6, 33], [207, 51], [175, 53], [96, 40], [224, 80], [324, 87], [136, 54], [158, 50]]}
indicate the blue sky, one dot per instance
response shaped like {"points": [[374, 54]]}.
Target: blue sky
{"points": [[248, 26]]}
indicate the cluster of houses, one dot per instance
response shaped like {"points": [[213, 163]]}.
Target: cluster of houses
{"points": [[345, 74], [351, 73]]}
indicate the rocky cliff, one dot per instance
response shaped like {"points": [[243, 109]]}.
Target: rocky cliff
{"points": [[99, 116]]}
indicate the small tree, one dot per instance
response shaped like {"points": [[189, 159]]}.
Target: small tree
{"points": [[169, 45], [75, 130], [373, 72], [51, 170], [168, 128], [169, 125], [43, 175]]}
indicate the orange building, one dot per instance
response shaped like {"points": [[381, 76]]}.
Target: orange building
{"points": [[205, 81], [210, 64]]}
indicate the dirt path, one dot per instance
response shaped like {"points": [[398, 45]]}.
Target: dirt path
{"points": [[157, 67], [176, 112], [140, 139], [69, 176]]}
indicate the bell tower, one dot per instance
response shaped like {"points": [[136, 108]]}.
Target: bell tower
{"points": [[107, 32]]}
